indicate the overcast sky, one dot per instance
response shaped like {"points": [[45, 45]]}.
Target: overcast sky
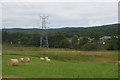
{"points": [[62, 14]]}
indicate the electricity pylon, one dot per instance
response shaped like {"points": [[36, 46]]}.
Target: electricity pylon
{"points": [[44, 27]]}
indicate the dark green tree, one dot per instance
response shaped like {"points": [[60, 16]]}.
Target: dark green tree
{"points": [[112, 44], [74, 39], [64, 43], [83, 41], [75, 44], [97, 36]]}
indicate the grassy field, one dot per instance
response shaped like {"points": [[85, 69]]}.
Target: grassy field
{"points": [[0, 67], [69, 64]]}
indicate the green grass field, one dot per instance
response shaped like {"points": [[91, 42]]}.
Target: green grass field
{"points": [[75, 64]]}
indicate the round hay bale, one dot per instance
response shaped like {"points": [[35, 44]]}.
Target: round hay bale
{"points": [[118, 63], [26, 59], [13, 62], [42, 59], [46, 58], [21, 59], [0, 54]]}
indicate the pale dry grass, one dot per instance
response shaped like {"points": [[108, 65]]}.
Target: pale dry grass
{"points": [[60, 54]]}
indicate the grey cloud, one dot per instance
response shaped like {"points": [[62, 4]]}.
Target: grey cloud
{"points": [[61, 14]]}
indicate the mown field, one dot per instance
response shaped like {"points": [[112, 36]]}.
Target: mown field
{"points": [[64, 63]]}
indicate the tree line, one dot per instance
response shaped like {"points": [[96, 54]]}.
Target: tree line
{"points": [[62, 40]]}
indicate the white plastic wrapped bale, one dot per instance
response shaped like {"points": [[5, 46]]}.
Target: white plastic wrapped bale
{"points": [[13, 62], [26, 59], [21, 59], [48, 60], [0, 54], [42, 59]]}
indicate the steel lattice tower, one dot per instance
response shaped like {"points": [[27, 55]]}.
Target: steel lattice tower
{"points": [[44, 27]]}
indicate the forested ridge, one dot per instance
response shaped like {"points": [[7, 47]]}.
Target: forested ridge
{"points": [[81, 31]]}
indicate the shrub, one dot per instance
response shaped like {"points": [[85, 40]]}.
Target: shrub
{"points": [[90, 46]]}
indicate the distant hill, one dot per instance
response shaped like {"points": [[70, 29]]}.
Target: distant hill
{"points": [[82, 31]]}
